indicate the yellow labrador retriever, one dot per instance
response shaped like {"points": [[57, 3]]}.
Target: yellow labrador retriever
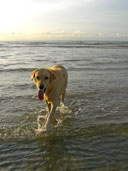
{"points": [[51, 84]]}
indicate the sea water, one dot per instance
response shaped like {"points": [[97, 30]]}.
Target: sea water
{"points": [[90, 132]]}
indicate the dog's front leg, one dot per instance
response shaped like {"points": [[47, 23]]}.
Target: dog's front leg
{"points": [[50, 115]]}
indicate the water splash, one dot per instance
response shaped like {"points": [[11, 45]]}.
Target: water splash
{"points": [[41, 119], [40, 124], [64, 109]]}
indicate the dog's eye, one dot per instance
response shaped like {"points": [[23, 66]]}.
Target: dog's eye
{"points": [[37, 78], [46, 78]]}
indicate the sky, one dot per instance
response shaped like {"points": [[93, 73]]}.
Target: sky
{"points": [[63, 19]]}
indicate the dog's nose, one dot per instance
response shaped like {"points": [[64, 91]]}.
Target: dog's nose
{"points": [[41, 87]]}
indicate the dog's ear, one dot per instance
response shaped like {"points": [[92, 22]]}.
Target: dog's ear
{"points": [[33, 74], [52, 76]]}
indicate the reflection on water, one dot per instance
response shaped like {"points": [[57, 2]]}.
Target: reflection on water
{"points": [[61, 149]]}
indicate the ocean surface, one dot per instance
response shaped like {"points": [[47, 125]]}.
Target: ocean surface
{"points": [[90, 132]]}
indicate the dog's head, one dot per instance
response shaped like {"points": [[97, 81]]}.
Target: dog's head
{"points": [[42, 78]]}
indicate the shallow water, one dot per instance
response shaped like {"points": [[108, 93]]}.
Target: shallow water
{"points": [[90, 132]]}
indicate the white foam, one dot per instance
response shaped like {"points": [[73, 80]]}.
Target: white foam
{"points": [[40, 130], [64, 109], [43, 110], [59, 123], [40, 123]]}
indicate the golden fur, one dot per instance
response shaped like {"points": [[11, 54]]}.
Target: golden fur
{"points": [[53, 81]]}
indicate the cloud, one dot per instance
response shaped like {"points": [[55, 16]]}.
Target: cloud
{"points": [[100, 34], [60, 35], [118, 35], [44, 35], [78, 33]]}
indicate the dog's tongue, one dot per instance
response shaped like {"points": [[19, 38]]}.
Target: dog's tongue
{"points": [[40, 95]]}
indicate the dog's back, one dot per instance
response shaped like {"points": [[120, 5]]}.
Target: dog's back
{"points": [[61, 74]]}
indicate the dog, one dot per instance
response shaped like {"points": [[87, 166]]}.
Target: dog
{"points": [[51, 84]]}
